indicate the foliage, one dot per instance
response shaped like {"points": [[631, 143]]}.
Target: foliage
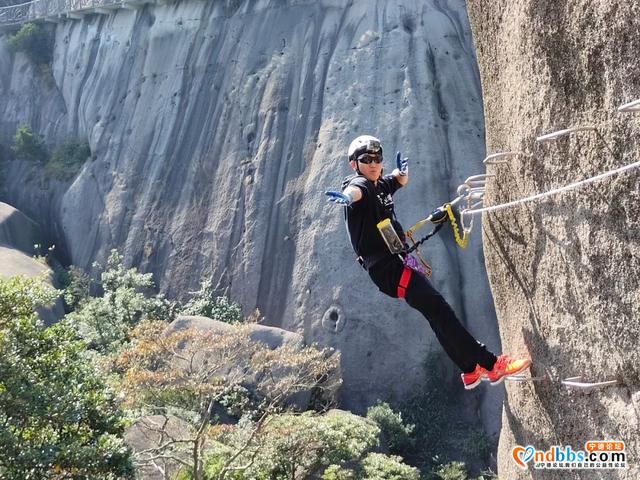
{"points": [[382, 467], [478, 445], [34, 41], [291, 446], [375, 466], [397, 435], [77, 286], [451, 471], [206, 303], [339, 472], [439, 430], [105, 322], [187, 373], [67, 160], [58, 419], [28, 145]]}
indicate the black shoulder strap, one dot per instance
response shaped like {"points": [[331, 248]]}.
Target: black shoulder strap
{"points": [[348, 179], [368, 186]]}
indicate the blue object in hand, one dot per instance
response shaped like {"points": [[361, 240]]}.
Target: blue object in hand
{"points": [[402, 164], [339, 197]]}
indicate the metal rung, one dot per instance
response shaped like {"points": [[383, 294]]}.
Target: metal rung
{"points": [[478, 178], [576, 382], [521, 377], [630, 107], [560, 133], [476, 194], [494, 158], [465, 189]]}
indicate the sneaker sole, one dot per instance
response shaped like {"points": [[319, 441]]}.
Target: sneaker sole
{"points": [[501, 379], [473, 385]]}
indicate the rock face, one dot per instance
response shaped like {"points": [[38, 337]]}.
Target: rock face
{"points": [[564, 272], [18, 235], [17, 230], [215, 128]]}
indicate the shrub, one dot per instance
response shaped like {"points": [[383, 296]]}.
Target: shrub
{"points": [[296, 446], [383, 467], [76, 284], [58, 418], [68, 159], [206, 303], [478, 444], [394, 431], [105, 322], [187, 373], [34, 41], [28, 145], [439, 430], [451, 471]]}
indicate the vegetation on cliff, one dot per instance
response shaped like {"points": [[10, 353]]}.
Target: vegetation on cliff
{"points": [[208, 404]]}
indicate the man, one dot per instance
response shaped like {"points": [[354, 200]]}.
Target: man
{"points": [[367, 197]]}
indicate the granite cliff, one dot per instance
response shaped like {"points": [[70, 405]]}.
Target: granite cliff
{"points": [[214, 129], [564, 271]]}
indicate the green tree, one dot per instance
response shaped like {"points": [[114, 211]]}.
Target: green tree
{"points": [[105, 322], [290, 446], [382, 467], [396, 434], [34, 41], [57, 418], [186, 374], [28, 145], [67, 159], [206, 303], [451, 471]]}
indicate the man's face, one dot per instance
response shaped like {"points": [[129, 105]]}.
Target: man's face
{"points": [[370, 165]]}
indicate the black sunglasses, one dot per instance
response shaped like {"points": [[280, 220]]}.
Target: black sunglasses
{"points": [[367, 158]]}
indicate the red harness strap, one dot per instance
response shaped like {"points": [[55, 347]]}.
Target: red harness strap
{"points": [[405, 278]]}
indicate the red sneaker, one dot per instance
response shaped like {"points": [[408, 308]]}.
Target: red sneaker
{"points": [[473, 379], [505, 366]]}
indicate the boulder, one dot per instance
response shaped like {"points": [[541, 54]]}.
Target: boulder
{"points": [[14, 262], [272, 337], [17, 230]]}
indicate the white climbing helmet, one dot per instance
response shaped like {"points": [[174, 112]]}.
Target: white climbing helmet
{"points": [[364, 144]]}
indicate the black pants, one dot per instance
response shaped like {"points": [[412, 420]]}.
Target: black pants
{"points": [[462, 348]]}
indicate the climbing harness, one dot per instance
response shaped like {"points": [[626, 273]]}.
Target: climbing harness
{"points": [[403, 284]]}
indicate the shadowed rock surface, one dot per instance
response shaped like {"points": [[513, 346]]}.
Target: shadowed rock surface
{"points": [[18, 235], [564, 272], [215, 127]]}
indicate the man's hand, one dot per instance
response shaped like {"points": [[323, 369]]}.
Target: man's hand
{"points": [[402, 164], [339, 197]]}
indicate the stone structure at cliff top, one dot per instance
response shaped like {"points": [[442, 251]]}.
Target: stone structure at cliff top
{"points": [[215, 127], [564, 272]]}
